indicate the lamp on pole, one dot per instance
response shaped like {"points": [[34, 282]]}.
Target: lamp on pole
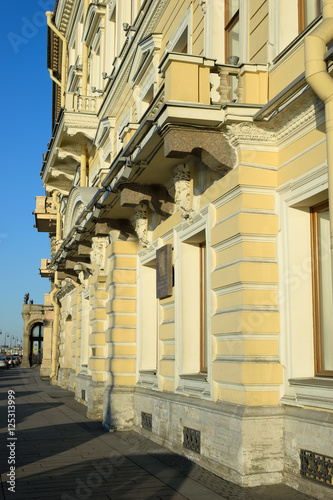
{"points": [[7, 336]]}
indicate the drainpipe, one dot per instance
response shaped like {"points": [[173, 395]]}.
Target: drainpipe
{"points": [[54, 302], [85, 54], [64, 57], [322, 83]]}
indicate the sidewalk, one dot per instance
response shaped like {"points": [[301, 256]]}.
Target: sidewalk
{"points": [[60, 454]]}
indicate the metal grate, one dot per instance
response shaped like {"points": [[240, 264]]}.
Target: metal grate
{"points": [[191, 439], [147, 421], [317, 467]]}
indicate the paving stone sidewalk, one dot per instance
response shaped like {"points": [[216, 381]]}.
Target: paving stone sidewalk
{"points": [[60, 454]]}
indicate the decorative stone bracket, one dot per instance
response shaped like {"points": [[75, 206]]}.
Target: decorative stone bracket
{"points": [[211, 147], [141, 224], [182, 179], [155, 196], [97, 255]]}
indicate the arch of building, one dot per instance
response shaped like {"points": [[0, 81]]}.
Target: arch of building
{"points": [[37, 315]]}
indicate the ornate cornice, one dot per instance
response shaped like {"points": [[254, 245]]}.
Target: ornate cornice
{"points": [[281, 126]]}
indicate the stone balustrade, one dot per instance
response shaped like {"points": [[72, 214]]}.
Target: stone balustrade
{"points": [[81, 103]]}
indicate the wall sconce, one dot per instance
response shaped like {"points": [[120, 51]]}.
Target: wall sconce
{"points": [[94, 89]]}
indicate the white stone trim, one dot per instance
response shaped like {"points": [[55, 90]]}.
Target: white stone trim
{"points": [[186, 22], [296, 283], [183, 232], [145, 377]]}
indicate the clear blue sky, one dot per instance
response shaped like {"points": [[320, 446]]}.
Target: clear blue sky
{"points": [[25, 131]]}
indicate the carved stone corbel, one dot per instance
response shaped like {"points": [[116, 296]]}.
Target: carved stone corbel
{"points": [[141, 224], [210, 146], [97, 254], [182, 178]]}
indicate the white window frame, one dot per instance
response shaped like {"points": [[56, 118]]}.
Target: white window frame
{"points": [[300, 386], [146, 377], [198, 384], [186, 22]]}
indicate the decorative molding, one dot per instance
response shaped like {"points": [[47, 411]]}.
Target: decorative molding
{"points": [[97, 254], [141, 224], [293, 117], [77, 200], [182, 178]]}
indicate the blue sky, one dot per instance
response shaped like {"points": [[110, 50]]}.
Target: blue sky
{"points": [[25, 131]]}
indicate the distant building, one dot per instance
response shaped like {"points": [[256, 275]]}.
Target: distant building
{"points": [[187, 201]]}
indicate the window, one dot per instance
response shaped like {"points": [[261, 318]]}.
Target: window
{"points": [[194, 304], [203, 309], [85, 328], [231, 28], [181, 45], [181, 40], [148, 317], [232, 38], [308, 10], [322, 289]]}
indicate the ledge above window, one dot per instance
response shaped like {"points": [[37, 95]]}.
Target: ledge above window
{"points": [[315, 392]]}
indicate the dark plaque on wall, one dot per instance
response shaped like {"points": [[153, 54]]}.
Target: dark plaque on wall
{"points": [[164, 272]]}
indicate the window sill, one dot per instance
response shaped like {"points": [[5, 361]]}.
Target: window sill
{"points": [[194, 376], [194, 384], [312, 382], [315, 392], [148, 379]]}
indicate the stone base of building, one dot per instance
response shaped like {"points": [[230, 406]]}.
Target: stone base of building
{"points": [[242, 444], [310, 430], [72, 378], [95, 400], [118, 408], [82, 383], [63, 377]]}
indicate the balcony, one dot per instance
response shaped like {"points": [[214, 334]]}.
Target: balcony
{"points": [[44, 271], [45, 215], [74, 128], [196, 79]]}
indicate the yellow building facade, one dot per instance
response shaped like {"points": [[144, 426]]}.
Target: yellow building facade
{"points": [[187, 194]]}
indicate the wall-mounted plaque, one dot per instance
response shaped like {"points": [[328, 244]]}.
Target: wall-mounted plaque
{"points": [[164, 272]]}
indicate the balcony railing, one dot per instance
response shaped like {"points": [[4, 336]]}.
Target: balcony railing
{"points": [[81, 103]]}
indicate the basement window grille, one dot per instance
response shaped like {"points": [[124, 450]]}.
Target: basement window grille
{"points": [[191, 439], [316, 467], [147, 421]]}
